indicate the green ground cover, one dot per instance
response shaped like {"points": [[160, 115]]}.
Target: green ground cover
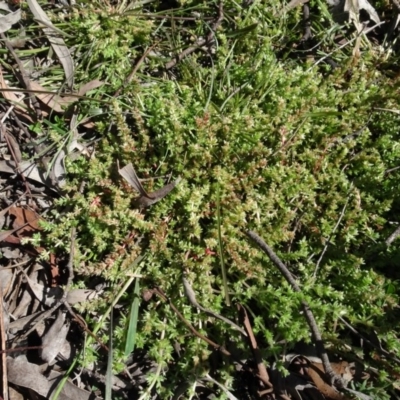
{"points": [[264, 135]]}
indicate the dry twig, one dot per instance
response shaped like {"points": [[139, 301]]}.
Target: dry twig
{"points": [[312, 323], [307, 24], [4, 386], [201, 42], [70, 265], [15, 158], [330, 237], [135, 69], [254, 347], [216, 346], [192, 298], [378, 348], [393, 236], [24, 75]]}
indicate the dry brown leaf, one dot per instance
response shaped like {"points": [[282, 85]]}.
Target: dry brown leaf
{"points": [[7, 94], [55, 271], [4, 322], [89, 125], [5, 234], [25, 323], [21, 306], [39, 291], [8, 20], [46, 295], [6, 237], [129, 174], [353, 7], [69, 389], [156, 196], [94, 84], [13, 394], [11, 97], [54, 339], [317, 374], [75, 296], [14, 146], [57, 42], [12, 253], [6, 277], [58, 172], [28, 375], [54, 101], [28, 169], [26, 221], [145, 199]]}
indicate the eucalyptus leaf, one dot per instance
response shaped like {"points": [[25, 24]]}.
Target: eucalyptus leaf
{"points": [[8, 20], [56, 42]]}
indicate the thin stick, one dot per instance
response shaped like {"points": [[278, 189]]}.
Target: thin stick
{"points": [[330, 237], [159, 16], [4, 386], [192, 298], [83, 325], [312, 323], [70, 265], [6, 137], [216, 346], [24, 75], [388, 171], [6, 351], [199, 43], [307, 24], [135, 69], [345, 44], [221, 250], [378, 348], [254, 347], [393, 236]]}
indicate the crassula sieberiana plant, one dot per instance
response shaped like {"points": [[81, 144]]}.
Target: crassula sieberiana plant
{"points": [[300, 154]]}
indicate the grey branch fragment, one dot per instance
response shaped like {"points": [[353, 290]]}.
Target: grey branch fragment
{"points": [[393, 236], [192, 298], [333, 378]]}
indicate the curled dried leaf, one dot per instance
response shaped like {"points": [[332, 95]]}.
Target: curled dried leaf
{"points": [[8, 20], [55, 338]]}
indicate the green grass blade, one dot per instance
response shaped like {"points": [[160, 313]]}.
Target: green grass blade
{"points": [[108, 391], [64, 379], [242, 32], [117, 297], [220, 249], [133, 319]]}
